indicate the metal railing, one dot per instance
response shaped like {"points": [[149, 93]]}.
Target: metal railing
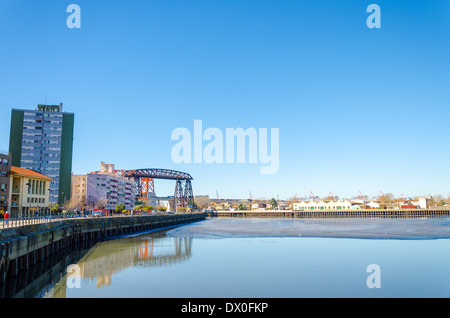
{"points": [[30, 220]]}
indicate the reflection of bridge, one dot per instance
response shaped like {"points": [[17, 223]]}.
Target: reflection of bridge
{"points": [[110, 257], [144, 180], [146, 256]]}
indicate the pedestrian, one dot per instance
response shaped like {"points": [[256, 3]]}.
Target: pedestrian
{"points": [[6, 216]]}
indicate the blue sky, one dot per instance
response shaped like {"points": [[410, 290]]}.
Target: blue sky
{"points": [[358, 109]]}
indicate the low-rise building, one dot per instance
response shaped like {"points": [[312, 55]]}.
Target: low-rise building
{"points": [[373, 205], [5, 171], [421, 202], [321, 205], [259, 206], [29, 192]]}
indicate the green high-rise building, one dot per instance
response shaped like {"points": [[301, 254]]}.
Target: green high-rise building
{"points": [[42, 140]]}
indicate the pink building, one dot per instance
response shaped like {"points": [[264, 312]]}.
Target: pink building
{"points": [[110, 189]]}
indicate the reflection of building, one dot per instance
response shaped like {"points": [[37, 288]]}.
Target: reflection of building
{"points": [[42, 140], [29, 190], [5, 170], [110, 257]]}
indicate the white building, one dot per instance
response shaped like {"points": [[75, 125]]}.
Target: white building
{"points": [[373, 205], [421, 202], [152, 199], [107, 186], [322, 205]]}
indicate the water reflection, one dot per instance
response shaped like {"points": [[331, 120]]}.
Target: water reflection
{"points": [[39, 279], [108, 258]]}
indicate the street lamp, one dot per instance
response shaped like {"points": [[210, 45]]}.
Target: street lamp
{"points": [[29, 198], [64, 204], [51, 202]]}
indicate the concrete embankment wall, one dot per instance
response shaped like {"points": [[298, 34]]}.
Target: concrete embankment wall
{"points": [[21, 247]]}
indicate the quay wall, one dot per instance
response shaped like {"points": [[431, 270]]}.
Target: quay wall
{"points": [[24, 246], [371, 213]]}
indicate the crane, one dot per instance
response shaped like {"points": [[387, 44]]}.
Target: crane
{"points": [[251, 198]]}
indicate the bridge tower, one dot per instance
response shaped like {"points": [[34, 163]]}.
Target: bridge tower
{"points": [[178, 197], [188, 193]]}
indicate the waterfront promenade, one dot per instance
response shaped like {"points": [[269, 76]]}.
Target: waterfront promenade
{"points": [[28, 241], [15, 222]]}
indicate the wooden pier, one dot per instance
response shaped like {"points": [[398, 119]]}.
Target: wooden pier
{"points": [[371, 213]]}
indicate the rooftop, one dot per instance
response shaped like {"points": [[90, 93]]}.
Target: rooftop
{"points": [[28, 173]]}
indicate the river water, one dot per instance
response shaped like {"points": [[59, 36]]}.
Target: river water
{"points": [[273, 258]]}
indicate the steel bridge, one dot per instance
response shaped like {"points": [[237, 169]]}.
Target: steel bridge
{"points": [[144, 180]]}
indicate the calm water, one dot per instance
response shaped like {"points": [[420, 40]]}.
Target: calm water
{"points": [[212, 259]]}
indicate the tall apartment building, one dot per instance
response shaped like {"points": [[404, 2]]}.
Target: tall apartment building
{"points": [[42, 140], [112, 189], [5, 171]]}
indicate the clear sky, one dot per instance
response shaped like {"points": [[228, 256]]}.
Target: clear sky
{"points": [[358, 109]]}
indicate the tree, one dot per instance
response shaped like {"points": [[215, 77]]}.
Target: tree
{"points": [[386, 201], [54, 208], [101, 203], [182, 209], [74, 204], [119, 207], [147, 208], [161, 208], [240, 207], [437, 200], [274, 203]]}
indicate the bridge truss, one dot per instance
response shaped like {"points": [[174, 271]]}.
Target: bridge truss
{"points": [[144, 183]]}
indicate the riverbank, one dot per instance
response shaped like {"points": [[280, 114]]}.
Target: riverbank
{"points": [[408, 228]]}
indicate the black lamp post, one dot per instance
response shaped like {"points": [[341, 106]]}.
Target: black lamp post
{"points": [[29, 198], [51, 202]]}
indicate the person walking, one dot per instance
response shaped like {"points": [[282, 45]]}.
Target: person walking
{"points": [[6, 216]]}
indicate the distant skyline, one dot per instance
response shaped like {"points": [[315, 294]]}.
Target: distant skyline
{"points": [[357, 109]]}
